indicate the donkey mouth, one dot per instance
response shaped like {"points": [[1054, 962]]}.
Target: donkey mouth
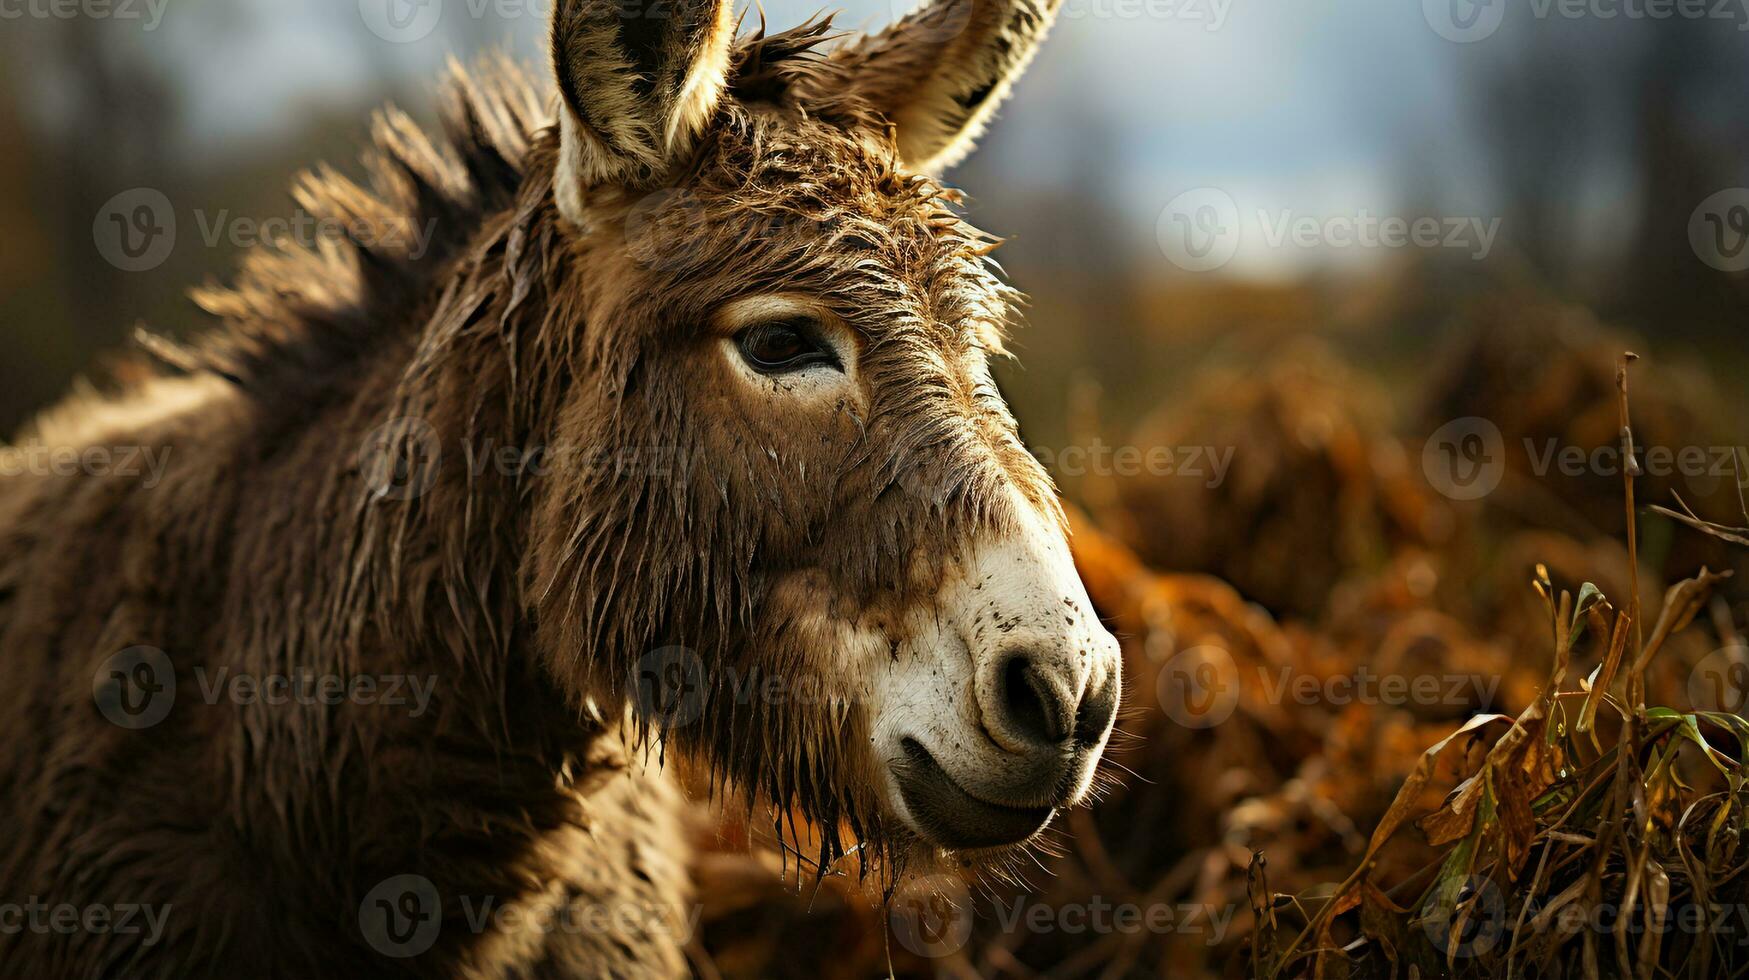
{"points": [[953, 818]]}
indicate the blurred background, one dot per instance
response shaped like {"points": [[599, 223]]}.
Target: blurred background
{"points": [[1189, 186]]}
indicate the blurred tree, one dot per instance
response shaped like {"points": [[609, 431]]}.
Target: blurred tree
{"points": [[1605, 136], [112, 108], [1691, 144]]}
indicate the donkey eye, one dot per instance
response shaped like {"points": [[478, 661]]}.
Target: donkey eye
{"points": [[783, 347]]}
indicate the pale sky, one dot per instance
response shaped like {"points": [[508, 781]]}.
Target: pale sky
{"points": [[1328, 108]]}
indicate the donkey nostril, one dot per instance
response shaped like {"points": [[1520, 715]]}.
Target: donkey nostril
{"points": [[1031, 706], [1095, 714]]}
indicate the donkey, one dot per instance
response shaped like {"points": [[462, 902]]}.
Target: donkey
{"points": [[678, 436]]}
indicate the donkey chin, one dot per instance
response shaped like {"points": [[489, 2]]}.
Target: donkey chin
{"points": [[994, 711]]}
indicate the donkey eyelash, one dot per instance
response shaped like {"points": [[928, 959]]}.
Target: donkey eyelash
{"points": [[786, 346]]}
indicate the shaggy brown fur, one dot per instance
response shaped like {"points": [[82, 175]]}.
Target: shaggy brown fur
{"points": [[510, 467]]}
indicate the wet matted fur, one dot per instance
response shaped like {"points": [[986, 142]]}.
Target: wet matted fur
{"points": [[511, 468]]}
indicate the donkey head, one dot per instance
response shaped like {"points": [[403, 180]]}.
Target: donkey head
{"points": [[840, 578]]}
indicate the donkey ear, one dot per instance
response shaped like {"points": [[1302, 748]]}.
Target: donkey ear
{"points": [[639, 79], [939, 74]]}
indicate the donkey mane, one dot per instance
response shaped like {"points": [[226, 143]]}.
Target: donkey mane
{"points": [[294, 317]]}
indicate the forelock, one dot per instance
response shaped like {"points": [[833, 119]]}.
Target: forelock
{"points": [[833, 200]]}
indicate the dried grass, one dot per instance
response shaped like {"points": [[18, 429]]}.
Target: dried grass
{"points": [[1572, 804]]}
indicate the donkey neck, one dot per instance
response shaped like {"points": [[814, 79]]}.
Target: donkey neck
{"points": [[401, 551]]}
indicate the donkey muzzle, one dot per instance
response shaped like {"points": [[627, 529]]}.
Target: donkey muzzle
{"points": [[998, 717]]}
